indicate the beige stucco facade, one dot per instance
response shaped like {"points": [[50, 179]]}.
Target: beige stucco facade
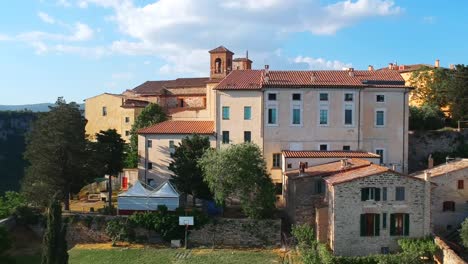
{"points": [[105, 112]]}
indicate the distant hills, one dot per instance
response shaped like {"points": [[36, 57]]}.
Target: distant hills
{"points": [[44, 107]]}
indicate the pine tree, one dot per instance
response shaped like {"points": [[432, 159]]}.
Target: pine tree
{"points": [[54, 249]]}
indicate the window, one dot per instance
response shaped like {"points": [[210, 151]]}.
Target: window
{"points": [[380, 98], [448, 206], [323, 147], [380, 152], [319, 187], [296, 115], [384, 220], [296, 97], [150, 165], [399, 224], [247, 136], [323, 97], [272, 118], [399, 193], [171, 147], [271, 97], [127, 119], [127, 133], [218, 65], [289, 165], [225, 112], [379, 118], [349, 97], [384, 194], [150, 143], [348, 112], [247, 112], [370, 194], [104, 111], [225, 137], [278, 188], [181, 102], [461, 184], [276, 160], [346, 148], [370, 224], [323, 119]]}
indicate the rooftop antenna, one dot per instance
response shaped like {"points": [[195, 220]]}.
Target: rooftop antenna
{"points": [[247, 54]]}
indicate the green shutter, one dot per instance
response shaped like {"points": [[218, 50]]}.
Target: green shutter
{"points": [[406, 225], [377, 194], [377, 224], [364, 194], [392, 224], [363, 225], [384, 220]]}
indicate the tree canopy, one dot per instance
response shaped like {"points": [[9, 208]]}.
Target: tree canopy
{"points": [[240, 171], [188, 176], [151, 114], [56, 152]]}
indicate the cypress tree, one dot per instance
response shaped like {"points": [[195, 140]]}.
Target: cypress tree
{"points": [[54, 242]]}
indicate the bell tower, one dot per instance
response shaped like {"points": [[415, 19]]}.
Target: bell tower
{"points": [[220, 62]]}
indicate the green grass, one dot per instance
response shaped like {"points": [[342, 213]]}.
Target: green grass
{"points": [[151, 255]]}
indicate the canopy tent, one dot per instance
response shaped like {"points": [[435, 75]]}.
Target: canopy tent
{"points": [[138, 198]]}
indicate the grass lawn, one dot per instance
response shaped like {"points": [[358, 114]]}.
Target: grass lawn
{"points": [[153, 255]]}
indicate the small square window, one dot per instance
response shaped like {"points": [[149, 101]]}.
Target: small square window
{"points": [[346, 148], [150, 165], [289, 165], [323, 97], [150, 143], [323, 147], [349, 97], [271, 97], [296, 97], [127, 119], [380, 98], [127, 133]]}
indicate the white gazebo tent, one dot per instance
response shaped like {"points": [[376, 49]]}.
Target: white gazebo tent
{"points": [[138, 198]]}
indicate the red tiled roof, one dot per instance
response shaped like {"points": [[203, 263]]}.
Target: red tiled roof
{"points": [[157, 87], [180, 127], [444, 168], [220, 49], [242, 80], [257, 79], [328, 154], [327, 168], [356, 173]]}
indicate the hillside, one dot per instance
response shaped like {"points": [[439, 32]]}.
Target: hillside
{"points": [[44, 107]]}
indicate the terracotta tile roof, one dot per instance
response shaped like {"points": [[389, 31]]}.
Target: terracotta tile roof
{"points": [[327, 168], [242, 80], [443, 169], [132, 103], [180, 127], [328, 154], [257, 79], [220, 49], [158, 87], [407, 68], [356, 173]]}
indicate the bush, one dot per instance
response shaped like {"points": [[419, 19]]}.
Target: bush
{"points": [[119, 230], [5, 241], [464, 233], [423, 247], [304, 235], [426, 117], [10, 202]]}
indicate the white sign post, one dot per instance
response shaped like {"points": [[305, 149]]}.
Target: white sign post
{"points": [[186, 221]]}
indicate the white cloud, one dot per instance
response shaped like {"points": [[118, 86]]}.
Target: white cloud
{"points": [[64, 3], [82, 32], [321, 64], [4, 37], [46, 18]]}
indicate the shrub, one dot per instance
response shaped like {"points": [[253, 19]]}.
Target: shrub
{"points": [[10, 202], [424, 247], [464, 233], [119, 230], [304, 235]]}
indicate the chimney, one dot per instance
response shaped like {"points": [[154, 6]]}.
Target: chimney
{"points": [[351, 72], [394, 167], [370, 68], [430, 162], [267, 73], [247, 54], [390, 66], [301, 167], [313, 77], [427, 175], [437, 63]]}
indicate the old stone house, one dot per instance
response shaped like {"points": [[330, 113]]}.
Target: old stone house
{"points": [[449, 203]]}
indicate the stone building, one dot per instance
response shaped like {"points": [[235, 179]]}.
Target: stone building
{"points": [[360, 208], [449, 203]]}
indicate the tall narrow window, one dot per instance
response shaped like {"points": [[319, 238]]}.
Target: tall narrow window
{"points": [[319, 186], [399, 193], [150, 143], [461, 184], [296, 109], [370, 224], [104, 111], [150, 165], [247, 112], [225, 112], [399, 225], [384, 220], [247, 136], [379, 118], [272, 118], [384, 193], [348, 114], [380, 152], [225, 137], [296, 115], [171, 147], [323, 116], [276, 160], [181, 102]]}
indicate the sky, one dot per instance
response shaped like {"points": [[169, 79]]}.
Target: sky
{"points": [[81, 48]]}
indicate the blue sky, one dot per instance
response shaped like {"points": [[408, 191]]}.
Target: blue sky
{"points": [[81, 48]]}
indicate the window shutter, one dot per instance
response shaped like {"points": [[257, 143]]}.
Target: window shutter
{"points": [[392, 224], [363, 225], [364, 194], [377, 224], [377, 194], [406, 231]]}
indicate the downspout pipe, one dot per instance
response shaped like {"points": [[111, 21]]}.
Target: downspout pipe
{"points": [[405, 132], [359, 121]]}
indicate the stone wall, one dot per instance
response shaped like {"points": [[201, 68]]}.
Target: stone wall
{"points": [[424, 143], [446, 255], [238, 233], [302, 199]]}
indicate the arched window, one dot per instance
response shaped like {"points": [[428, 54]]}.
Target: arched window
{"points": [[448, 206], [218, 65]]}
